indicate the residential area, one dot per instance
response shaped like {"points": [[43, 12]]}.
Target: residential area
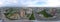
{"points": [[30, 13]]}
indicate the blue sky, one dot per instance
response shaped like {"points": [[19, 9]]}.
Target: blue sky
{"points": [[30, 3]]}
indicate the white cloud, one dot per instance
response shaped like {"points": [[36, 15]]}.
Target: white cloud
{"points": [[27, 2], [50, 3], [1, 4], [12, 1], [31, 3], [53, 3]]}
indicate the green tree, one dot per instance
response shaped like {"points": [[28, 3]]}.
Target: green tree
{"points": [[45, 14], [32, 17]]}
